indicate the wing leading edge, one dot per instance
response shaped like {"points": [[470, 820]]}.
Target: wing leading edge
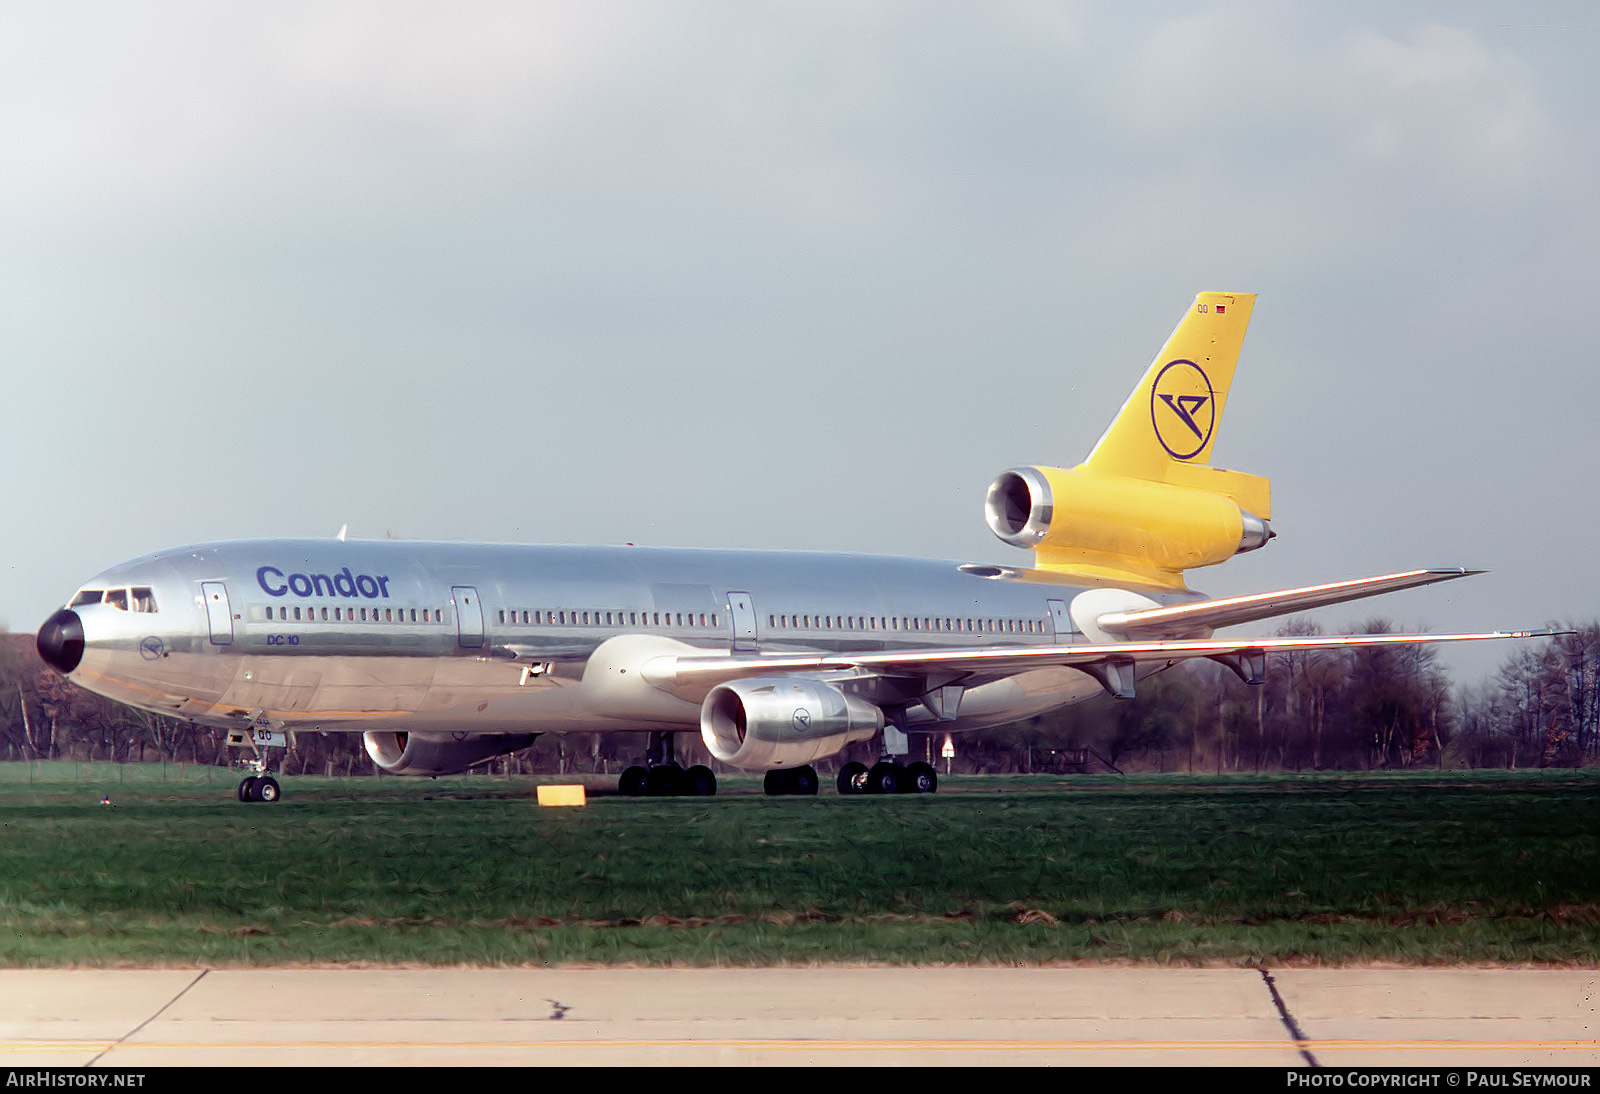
{"points": [[693, 677], [1168, 634]]}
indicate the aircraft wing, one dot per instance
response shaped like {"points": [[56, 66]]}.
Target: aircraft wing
{"points": [[1108, 662], [1190, 620]]}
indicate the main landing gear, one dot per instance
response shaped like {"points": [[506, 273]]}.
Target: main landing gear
{"points": [[888, 777], [884, 777], [791, 780], [661, 777]]}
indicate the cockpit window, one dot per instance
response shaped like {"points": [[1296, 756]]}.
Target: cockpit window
{"points": [[140, 598]]}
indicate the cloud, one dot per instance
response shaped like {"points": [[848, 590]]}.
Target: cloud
{"points": [[139, 103], [1439, 98], [1217, 77]]}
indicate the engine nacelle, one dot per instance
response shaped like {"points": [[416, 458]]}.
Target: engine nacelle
{"points": [[410, 754], [1122, 526], [783, 721]]}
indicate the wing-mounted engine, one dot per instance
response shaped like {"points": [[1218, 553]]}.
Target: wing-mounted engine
{"points": [[783, 721], [411, 754], [1125, 528]]}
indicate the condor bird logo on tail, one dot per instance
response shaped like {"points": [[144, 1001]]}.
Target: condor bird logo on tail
{"points": [[1182, 386]]}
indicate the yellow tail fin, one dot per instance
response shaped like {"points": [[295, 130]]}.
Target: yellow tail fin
{"points": [[1147, 504], [1165, 430]]}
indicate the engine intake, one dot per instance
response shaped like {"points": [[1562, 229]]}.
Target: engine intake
{"points": [[783, 721]]}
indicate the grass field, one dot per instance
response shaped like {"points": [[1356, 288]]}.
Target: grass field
{"points": [[1417, 869]]}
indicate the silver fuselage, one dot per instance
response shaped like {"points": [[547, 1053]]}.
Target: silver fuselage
{"points": [[451, 638]]}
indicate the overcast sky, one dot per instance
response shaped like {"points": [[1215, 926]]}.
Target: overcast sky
{"points": [[795, 275]]}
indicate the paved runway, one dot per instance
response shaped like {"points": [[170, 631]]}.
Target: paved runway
{"points": [[825, 1016]]}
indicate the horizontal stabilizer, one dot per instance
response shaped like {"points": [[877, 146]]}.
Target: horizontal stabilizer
{"points": [[1185, 620]]}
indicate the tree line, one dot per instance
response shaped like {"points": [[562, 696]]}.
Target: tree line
{"points": [[1349, 709], [1354, 709]]}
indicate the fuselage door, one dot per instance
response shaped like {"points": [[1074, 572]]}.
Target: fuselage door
{"points": [[469, 616], [744, 622], [218, 614], [1061, 619]]}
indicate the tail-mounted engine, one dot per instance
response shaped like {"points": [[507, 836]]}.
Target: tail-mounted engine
{"points": [[1123, 527], [1147, 504], [783, 721], [409, 754]]}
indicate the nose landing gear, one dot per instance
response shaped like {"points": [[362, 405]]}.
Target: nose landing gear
{"points": [[259, 788]]}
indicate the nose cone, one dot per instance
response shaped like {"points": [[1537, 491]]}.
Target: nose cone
{"points": [[60, 641]]}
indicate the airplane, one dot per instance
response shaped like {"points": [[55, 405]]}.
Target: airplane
{"points": [[446, 655]]}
